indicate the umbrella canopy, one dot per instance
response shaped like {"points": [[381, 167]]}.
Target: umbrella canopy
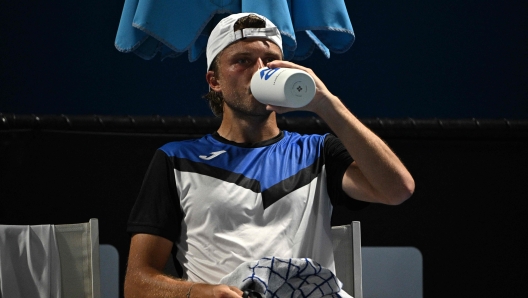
{"points": [[172, 27]]}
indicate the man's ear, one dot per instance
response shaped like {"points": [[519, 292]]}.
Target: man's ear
{"points": [[212, 80]]}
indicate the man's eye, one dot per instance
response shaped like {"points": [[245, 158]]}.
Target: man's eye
{"points": [[242, 61], [270, 60]]}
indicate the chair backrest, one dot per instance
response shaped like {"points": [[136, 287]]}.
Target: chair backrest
{"points": [[109, 260], [79, 258], [371, 271], [50, 260], [392, 272], [346, 242]]}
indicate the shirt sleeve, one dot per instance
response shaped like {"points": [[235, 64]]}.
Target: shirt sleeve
{"points": [[337, 160], [157, 209]]}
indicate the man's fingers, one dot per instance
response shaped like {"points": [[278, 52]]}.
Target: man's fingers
{"points": [[283, 63], [224, 291], [236, 290]]}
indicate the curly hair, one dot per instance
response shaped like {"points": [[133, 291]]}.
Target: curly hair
{"points": [[216, 99]]}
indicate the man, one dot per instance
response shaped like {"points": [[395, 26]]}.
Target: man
{"points": [[250, 190]]}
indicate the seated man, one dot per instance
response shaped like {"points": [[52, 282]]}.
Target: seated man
{"points": [[250, 190]]}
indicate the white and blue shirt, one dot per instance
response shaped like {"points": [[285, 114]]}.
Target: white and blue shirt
{"points": [[224, 203]]}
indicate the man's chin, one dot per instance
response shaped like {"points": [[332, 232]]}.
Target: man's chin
{"points": [[255, 109]]}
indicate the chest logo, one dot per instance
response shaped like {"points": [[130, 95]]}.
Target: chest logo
{"points": [[213, 155]]}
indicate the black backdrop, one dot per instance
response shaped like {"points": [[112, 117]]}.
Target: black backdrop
{"points": [[420, 59], [467, 216]]}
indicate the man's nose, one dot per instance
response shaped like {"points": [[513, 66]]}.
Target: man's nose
{"points": [[260, 63]]}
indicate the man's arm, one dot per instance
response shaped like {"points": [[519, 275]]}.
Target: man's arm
{"points": [[377, 174], [144, 276]]}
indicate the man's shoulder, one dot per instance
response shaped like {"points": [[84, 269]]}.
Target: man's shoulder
{"points": [[172, 148], [298, 136]]}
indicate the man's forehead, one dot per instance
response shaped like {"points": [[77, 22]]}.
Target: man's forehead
{"points": [[249, 44]]}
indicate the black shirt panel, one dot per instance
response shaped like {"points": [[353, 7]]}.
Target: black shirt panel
{"points": [[152, 205], [337, 162]]}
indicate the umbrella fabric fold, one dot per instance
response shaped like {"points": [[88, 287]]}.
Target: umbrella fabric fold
{"points": [[172, 27]]}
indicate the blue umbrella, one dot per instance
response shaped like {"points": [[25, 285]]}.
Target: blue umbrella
{"points": [[172, 27]]}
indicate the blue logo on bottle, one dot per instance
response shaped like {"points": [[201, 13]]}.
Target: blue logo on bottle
{"points": [[267, 73]]}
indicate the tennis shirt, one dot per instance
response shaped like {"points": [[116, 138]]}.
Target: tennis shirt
{"points": [[224, 203]]}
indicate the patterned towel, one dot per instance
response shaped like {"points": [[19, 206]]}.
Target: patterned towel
{"points": [[279, 278]]}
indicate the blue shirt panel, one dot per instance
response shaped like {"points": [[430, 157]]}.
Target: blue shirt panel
{"points": [[267, 164]]}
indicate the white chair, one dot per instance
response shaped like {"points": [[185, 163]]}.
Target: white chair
{"points": [[346, 242], [50, 260], [372, 271]]}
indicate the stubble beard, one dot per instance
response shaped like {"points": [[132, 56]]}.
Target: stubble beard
{"points": [[246, 106]]}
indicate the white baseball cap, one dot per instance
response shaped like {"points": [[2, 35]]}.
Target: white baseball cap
{"points": [[223, 34]]}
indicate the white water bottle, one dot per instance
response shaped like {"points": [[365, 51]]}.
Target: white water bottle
{"points": [[286, 87]]}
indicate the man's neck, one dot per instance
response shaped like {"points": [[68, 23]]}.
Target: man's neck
{"points": [[249, 129]]}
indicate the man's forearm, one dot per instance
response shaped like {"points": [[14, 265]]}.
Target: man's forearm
{"points": [[376, 161], [151, 284]]}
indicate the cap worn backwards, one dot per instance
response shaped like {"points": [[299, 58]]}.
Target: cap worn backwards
{"points": [[223, 34]]}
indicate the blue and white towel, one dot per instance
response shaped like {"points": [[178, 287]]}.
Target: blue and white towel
{"points": [[279, 278]]}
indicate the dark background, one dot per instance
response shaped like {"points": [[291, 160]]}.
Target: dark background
{"points": [[411, 60], [467, 215], [420, 59]]}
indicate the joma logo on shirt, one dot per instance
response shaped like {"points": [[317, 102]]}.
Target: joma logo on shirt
{"points": [[213, 155]]}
